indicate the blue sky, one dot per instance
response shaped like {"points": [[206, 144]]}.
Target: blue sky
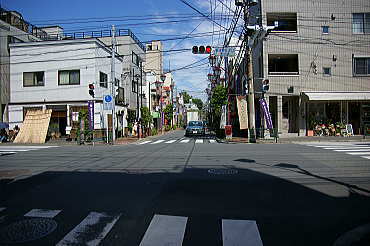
{"points": [[139, 16]]}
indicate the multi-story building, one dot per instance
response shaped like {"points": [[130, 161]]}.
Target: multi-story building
{"points": [[56, 75], [317, 62], [13, 29]]}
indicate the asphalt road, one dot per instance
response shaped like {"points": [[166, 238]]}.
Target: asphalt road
{"points": [[183, 191]]}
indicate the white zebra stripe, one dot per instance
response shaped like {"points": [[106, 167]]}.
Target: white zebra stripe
{"points": [[366, 157], [358, 153], [185, 141], [43, 213], [171, 141], [199, 141], [145, 142], [350, 150], [102, 224], [165, 230], [158, 141], [240, 233], [15, 150]]}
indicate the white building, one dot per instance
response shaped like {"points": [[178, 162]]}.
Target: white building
{"points": [[56, 75]]}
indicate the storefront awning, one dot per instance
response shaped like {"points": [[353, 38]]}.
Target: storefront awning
{"points": [[337, 95]]}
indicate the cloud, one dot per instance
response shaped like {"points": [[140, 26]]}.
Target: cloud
{"points": [[164, 31]]}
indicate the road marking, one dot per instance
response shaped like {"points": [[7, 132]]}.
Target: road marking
{"points": [[366, 157], [26, 147], [350, 150], [240, 232], [171, 141], [349, 147], [158, 141], [165, 230], [145, 142], [185, 141], [199, 141], [358, 153], [1, 209], [93, 228], [15, 150], [212, 141], [42, 213]]}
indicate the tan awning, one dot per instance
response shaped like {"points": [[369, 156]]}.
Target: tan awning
{"points": [[337, 95]]}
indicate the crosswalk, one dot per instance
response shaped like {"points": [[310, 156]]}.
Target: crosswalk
{"points": [[162, 229], [356, 149], [178, 141], [13, 149]]}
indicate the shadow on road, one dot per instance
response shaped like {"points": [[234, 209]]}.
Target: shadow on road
{"points": [[286, 213]]}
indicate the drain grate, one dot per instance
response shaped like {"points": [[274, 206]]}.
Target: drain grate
{"points": [[222, 171], [27, 230]]}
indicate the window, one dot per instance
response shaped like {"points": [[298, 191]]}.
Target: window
{"points": [[326, 71], [149, 47], [134, 86], [283, 64], [361, 66], [287, 22], [325, 29], [103, 78], [69, 77], [116, 82], [120, 97], [33, 79], [135, 59], [361, 23]]}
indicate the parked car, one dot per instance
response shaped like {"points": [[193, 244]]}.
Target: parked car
{"points": [[195, 128]]}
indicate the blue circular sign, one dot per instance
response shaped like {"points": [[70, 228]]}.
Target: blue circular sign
{"points": [[108, 98]]}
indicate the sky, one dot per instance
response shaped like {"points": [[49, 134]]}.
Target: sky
{"points": [[166, 20]]}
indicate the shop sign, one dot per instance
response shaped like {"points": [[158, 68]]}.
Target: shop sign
{"points": [[90, 106]]}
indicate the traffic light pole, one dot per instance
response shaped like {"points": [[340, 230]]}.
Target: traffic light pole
{"points": [[113, 91], [248, 58]]}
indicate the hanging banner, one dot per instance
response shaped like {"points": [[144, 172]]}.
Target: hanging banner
{"points": [[242, 112], [90, 106], [266, 113], [223, 117]]}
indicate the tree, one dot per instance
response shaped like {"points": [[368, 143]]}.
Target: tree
{"points": [[168, 113], [198, 102], [186, 97], [219, 98], [146, 118]]}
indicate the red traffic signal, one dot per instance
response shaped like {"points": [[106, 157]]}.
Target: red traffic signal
{"points": [[91, 90], [202, 49]]}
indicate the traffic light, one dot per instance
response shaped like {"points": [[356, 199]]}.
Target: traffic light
{"points": [[265, 85], [202, 49], [91, 90]]}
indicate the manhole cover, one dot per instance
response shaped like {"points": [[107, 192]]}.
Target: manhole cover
{"points": [[27, 230], [222, 171]]}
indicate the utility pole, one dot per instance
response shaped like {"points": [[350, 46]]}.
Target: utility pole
{"points": [[113, 92], [248, 58]]}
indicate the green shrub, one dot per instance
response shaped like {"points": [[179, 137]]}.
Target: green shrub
{"points": [[154, 131]]}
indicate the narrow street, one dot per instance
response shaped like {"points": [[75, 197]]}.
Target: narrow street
{"points": [[173, 190]]}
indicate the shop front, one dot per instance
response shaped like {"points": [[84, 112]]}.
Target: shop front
{"points": [[334, 111]]}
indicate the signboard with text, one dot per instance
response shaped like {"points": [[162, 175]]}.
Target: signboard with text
{"points": [[90, 106]]}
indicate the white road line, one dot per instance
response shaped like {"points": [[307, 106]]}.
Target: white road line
{"points": [[199, 141], [165, 230], [349, 147], [358, 153], [158, 141], [171, 141], [350, 150], [145, 142], [240, 232], [212, 141], [43, 213], [26, 147], [366, 157], [15, 150], [185, 141], [93, 228], [1, 209]]}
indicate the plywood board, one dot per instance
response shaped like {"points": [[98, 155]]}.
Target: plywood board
{"points": [[35, 127]]}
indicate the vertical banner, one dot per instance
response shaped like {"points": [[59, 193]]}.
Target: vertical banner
{"points": [[223, 117], [90, 106], [242, 111], [266, 113]]}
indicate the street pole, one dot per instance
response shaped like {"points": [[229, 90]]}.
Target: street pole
{"points": [[137, 106], [141, 95], [113, 76], [248, 58]]}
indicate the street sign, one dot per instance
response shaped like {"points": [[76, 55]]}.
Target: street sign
{"points": [[107, 102], [90, 106], [225, 52]]}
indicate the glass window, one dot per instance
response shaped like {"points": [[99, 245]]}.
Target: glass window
{"points": [[325, 30], [283, 64], [327, 71], [69, 77], [33, 79], [361, 66], [103, 78], [287, 22], [361, 23]]}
